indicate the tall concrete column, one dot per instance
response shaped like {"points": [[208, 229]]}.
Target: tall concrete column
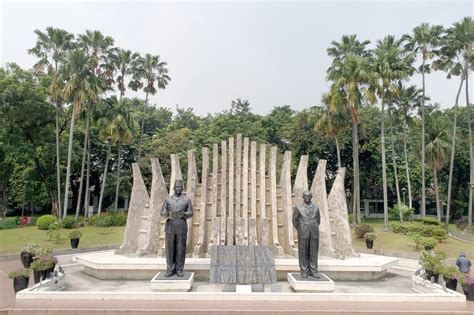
{"points": [[191, 186], [238, 178], [230, 218], [214, 184], [199, 249], [273, 201], [262, 196], [285, 183], [245, 191], [253, 240], [300, 185], [318, 189], [223, 192]]}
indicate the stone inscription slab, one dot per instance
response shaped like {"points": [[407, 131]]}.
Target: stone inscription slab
{"points": [[242, 265]]}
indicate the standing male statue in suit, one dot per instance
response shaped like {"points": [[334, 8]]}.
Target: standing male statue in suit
{"points": [[306, 220], [176, 209]]}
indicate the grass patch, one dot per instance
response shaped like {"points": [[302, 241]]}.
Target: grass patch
{"points": [[12, 240], [386, 240]]}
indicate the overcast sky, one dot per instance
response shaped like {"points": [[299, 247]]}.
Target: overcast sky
{"points": [[271, 53]]}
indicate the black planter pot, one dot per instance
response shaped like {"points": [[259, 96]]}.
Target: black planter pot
{"points": [[26, 259], [428, 248], [42, 274], [74, 242], [468, 291], [451, 283], [430, 274], [20, 283], [36, 276], [369, 243]]}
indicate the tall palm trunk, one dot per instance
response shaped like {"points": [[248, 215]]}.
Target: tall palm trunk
{"points": [[471, 158], [338, 151], [423, 196], [438, 208], [407, 167], [142, 127], [58, 170], [384, 166], [453, 147], [69, 158], [104, 178], [394, 161], [87, 195], [355, 158], [84, 156], [117, 185]]}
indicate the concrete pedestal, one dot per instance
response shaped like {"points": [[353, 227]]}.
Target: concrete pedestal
{"points": [[173, 283], [310, 284]]}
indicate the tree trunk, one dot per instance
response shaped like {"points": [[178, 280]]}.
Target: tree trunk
{"points": [[338, 150], [81, 178], [423, 196], [104, 179], [58, 170], [471, 158], [142, 126], [407, 167], [53, 197], [438, 209], [384, 166], [453, 149], [117, 184], [69, 158], [4, 199], [355, 158], [394, 161], [87, 196]]}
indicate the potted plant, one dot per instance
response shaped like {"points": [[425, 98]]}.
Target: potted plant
{"points": [[432, 262], [428, 243], [450, 275], [21, 278], [75, 236], [369, 239], [467, 284], [43, 266], [27, 254]]}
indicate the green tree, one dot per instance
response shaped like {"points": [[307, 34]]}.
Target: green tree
{"points": [[51, 47], [352, 78], [457, 59], [424, 40], [390, 64]]}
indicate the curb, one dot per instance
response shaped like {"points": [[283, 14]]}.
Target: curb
{"points": [[66, 251]]}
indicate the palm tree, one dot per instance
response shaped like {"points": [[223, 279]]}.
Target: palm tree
{"points": [[390, 64], [352, 80], [456, 59], [98, 47], [118, 126], [424, 40], [330, 124], [51, 47], [437, 151], [80, 87], [124, 62], [407, 99], [155, 73]]}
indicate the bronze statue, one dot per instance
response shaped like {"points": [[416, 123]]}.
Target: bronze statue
{"points": [[176, 209], [306, 220]]}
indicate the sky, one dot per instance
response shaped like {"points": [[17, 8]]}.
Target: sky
{"points": [[270, 53]]}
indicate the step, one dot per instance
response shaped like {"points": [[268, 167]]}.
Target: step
{"points": [[401, 271]]}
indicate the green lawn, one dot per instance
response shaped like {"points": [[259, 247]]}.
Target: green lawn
{"points": [[402, 243], [12, 240]]}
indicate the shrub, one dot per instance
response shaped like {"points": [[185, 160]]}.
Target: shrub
{"points": [[396, 227], [19, 273], [439, 234], [108, 219], [363, 228], [69, 223], [45, 221], [432, 261], [370, 236], [44, 263], [430, 221], [30, 248], [75, 234], [394, 213], [428, 242]]}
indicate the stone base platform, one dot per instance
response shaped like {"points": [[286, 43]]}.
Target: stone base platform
{"points": [[108, 266], [173, 283], [311, 284]]}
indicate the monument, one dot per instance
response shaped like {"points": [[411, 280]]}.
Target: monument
{"points": [[176, 210]]}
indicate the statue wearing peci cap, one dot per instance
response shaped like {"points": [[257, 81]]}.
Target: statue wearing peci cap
{"points": [[306, 220], [176, 209]]}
